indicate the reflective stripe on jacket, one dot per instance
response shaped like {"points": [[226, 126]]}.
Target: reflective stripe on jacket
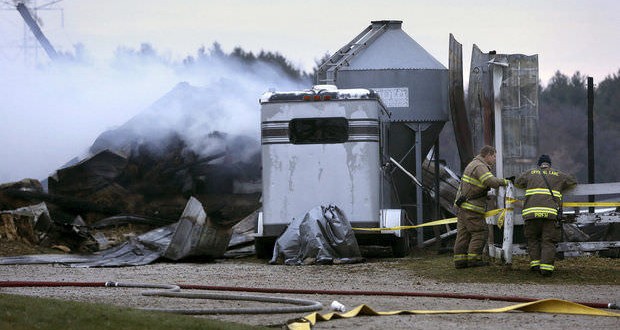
{"points": [[539, 203], [477, 178]]}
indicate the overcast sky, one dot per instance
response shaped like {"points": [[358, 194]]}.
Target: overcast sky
{"points": [[567, 35]]}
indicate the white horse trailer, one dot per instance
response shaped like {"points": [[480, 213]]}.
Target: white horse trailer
{"points": [[327, 146]]}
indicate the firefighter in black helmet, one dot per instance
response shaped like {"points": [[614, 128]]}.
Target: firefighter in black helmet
{"points": [[543, 187]]}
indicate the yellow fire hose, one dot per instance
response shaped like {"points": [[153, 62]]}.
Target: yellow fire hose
{"points": [[553, 306]]}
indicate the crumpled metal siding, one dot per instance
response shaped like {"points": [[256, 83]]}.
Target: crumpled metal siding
{"points": [[519, 99], [520, 113]]}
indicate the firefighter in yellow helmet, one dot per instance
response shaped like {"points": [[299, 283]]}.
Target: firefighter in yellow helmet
{"points": [[543, 199], [471, 200]]}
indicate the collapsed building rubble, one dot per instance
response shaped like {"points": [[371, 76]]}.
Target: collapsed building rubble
{"points": [[140, 176], [588, 233], [193, 236], [105, 191]]}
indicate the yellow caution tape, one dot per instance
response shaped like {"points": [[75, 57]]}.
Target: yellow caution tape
{"points": [[553, 306], [432, 223], [500, 219], [511, 200], [587, 204], [493, 212]]}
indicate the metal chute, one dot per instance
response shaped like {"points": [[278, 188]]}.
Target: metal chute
{"points": [[36, 30]]}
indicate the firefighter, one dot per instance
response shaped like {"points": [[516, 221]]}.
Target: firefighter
{"points": [[471, 200], [542, 211]]}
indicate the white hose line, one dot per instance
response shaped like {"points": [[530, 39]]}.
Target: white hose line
{"points": [[169, 290]]}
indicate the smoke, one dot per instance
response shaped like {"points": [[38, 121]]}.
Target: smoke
{"points": [[51, 114]]}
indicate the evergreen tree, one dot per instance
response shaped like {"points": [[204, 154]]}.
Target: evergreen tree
{"points": [[564, 125], [606, 129]]}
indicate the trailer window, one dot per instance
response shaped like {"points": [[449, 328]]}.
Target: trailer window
{"points": [[318, 130]]}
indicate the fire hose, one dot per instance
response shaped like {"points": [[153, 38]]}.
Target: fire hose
{"points": [[169, 290]]}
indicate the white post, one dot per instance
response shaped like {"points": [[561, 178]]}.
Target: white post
{"points": [[508, 224], [498, 73]]}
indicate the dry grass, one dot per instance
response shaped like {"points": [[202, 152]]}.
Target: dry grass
{"points": [[577, 270], [428, 263], [18, 312]]}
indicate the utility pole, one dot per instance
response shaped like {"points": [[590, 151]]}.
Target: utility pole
{"points": [[591, 137]]}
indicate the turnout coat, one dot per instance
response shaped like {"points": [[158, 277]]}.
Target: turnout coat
{"points": [[539, 201]]}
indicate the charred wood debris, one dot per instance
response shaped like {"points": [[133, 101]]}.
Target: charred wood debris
{"points": [[103, 200]]}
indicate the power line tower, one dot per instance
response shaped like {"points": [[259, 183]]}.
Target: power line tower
{"points": [[33, 39]]}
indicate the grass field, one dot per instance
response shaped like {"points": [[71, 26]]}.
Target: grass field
{"points": [[20, 312], [575, 270]]}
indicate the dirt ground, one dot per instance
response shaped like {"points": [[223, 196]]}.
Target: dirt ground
{"points": [[381, 274]]}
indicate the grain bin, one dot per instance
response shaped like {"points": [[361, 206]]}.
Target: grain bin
{"points": [[412, 84]]}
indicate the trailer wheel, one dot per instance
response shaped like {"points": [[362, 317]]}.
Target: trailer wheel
{"points": [[401, 246], [264, 247]]}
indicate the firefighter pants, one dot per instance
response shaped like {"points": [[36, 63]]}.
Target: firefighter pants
{"points": [[471, 237], [542, 235]]}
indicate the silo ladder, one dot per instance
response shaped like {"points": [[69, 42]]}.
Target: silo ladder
{"points": [[342, 56]]}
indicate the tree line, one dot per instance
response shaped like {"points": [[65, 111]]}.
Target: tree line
{"points": [[563, 123]]}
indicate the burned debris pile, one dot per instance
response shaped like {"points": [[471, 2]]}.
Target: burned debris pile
{"points": [[141, 191], [136, 178]]}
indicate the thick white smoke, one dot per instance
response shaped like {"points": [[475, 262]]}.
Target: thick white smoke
{"points": [[51, 114]]}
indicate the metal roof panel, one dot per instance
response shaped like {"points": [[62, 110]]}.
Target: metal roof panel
{"points": [[393, 49]]}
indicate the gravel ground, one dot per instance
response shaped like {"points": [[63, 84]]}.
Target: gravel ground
{"points": [[374, 275]]}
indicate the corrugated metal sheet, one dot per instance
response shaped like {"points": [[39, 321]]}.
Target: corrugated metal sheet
{"points": [[520, 113], [519, 102], [458, 110]]}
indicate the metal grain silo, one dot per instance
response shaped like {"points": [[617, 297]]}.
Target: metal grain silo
{"points": [[412, 84]]}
